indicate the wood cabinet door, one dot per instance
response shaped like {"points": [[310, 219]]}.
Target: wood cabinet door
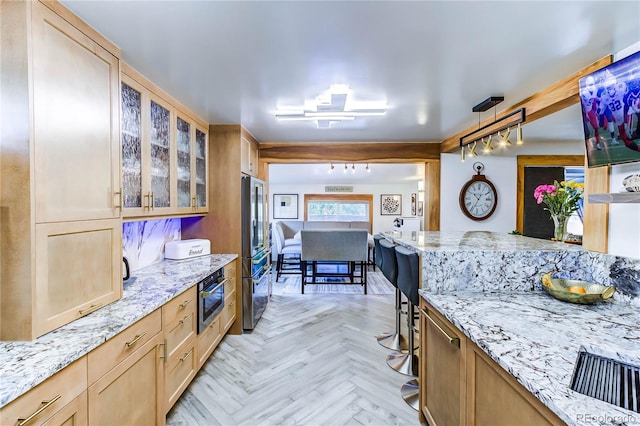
{"points": [[445, 372], [495, 398], [131, 393], [136, 151], [78, 270], [75, 123]]}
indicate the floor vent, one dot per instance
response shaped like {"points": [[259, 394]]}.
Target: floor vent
{"points": [[607, 380]]}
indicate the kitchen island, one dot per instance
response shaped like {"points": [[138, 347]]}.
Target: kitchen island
{"points": [[25, 364], [488, 286]]}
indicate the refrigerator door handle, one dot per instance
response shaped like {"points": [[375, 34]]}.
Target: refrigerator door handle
{"points": [[266, 271], [256, 261]]}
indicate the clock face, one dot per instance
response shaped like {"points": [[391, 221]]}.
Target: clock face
{"points": [[478, 198]]}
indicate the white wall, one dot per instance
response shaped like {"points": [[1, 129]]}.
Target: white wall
{"points": [[502, 172], [380, 223]]}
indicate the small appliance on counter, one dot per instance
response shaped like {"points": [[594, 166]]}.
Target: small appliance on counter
{"points": [[186, 249]]}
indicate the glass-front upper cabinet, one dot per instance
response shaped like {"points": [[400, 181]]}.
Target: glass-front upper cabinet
{"points": [[184, 163], [164, 152], [191, 169], [201, 200], [146, 151], [160, 194], [131, 126]]}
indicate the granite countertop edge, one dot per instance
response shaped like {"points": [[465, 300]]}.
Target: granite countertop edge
{"points": [[26, 364]]}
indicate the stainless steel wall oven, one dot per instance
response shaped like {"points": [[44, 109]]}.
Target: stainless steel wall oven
{"points": [[210, 298]]}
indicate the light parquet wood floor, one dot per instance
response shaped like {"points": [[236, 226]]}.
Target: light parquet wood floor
{"points": [[312, 360]]}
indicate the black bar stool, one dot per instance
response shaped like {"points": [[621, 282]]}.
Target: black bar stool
{"points": [[408, 282], [386, 261]]}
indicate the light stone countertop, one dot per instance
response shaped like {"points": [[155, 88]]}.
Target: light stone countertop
{"points": [[25, 364], [536, 338]]}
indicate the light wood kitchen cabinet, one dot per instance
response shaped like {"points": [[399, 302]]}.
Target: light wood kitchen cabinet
{"points": [[164, 152], [94, 271], [208, 340], [495, 398], [131, 392], [191, 172], [443, 376], [228, 314], [123, 345], [60, 167], [57, 400], [179, 324], [462, 385], [249, 156]]}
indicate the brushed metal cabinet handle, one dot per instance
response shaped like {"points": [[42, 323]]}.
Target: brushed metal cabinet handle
{"points": [[45, 405], [453, 340]]}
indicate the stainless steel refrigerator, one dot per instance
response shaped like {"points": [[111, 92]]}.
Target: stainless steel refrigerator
{"points": [[256, 252]]}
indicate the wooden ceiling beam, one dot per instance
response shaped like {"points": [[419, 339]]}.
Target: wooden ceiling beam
{"points": [[552, 99], [323, 152]]}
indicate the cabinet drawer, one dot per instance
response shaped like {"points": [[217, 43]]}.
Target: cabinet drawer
{"points": [[229, 288], [208, 339], [230, 269], [228, 314], [72, 414], [179, 372], [179, 308], [178, 332], [51, 396], [120, 347]]}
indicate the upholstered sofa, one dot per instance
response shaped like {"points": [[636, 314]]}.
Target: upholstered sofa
{"points": [[291, 227], [348, 246], [287, 241]]}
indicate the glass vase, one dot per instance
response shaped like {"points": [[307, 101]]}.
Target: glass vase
{"points": [[560, 226]]}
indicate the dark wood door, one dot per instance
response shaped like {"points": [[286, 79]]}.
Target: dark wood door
{"points": [[537, 221]]}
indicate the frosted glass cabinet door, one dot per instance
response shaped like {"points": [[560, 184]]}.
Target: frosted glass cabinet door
{"points": [[160, 195], [131, 147], [201, 170], [184, 163]]}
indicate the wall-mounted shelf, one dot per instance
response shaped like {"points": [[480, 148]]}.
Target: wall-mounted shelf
{"points": [[615, 197]]}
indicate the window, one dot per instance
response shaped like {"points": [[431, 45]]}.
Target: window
{"points": [[351, 207]]}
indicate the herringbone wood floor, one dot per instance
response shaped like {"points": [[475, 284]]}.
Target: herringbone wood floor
{"points": [[312, 360]]}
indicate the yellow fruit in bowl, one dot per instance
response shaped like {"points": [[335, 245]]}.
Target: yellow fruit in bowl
{"points": [[577, 289]]}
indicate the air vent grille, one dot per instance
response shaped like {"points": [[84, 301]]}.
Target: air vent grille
{"points": [[607, 380]]}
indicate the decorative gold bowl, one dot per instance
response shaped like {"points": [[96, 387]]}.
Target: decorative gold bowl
{"points": [[575, 291]]}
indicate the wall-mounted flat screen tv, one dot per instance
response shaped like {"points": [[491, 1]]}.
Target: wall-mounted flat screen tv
{"points": [[610, 100]]}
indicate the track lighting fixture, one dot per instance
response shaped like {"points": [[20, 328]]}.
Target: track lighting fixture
{"points": [[331, 168], [367, 168], [353, 167], [472, 150], [519, 140], [499, 126], [488, 147], [504, 138], [345, 168]]}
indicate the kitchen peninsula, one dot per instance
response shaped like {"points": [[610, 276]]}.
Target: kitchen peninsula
{"points": [[485, 288]]}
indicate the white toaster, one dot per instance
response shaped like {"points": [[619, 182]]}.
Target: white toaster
{"points": [[186, 249]]}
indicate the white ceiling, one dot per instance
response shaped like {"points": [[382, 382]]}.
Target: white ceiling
{"points": [[430, 61]]}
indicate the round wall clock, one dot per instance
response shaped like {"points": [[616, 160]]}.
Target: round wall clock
{"points": [[478, 197]]}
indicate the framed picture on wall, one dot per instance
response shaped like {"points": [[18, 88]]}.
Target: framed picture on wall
{"points": [[285, 206], [391, 204], [414, 197]]}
